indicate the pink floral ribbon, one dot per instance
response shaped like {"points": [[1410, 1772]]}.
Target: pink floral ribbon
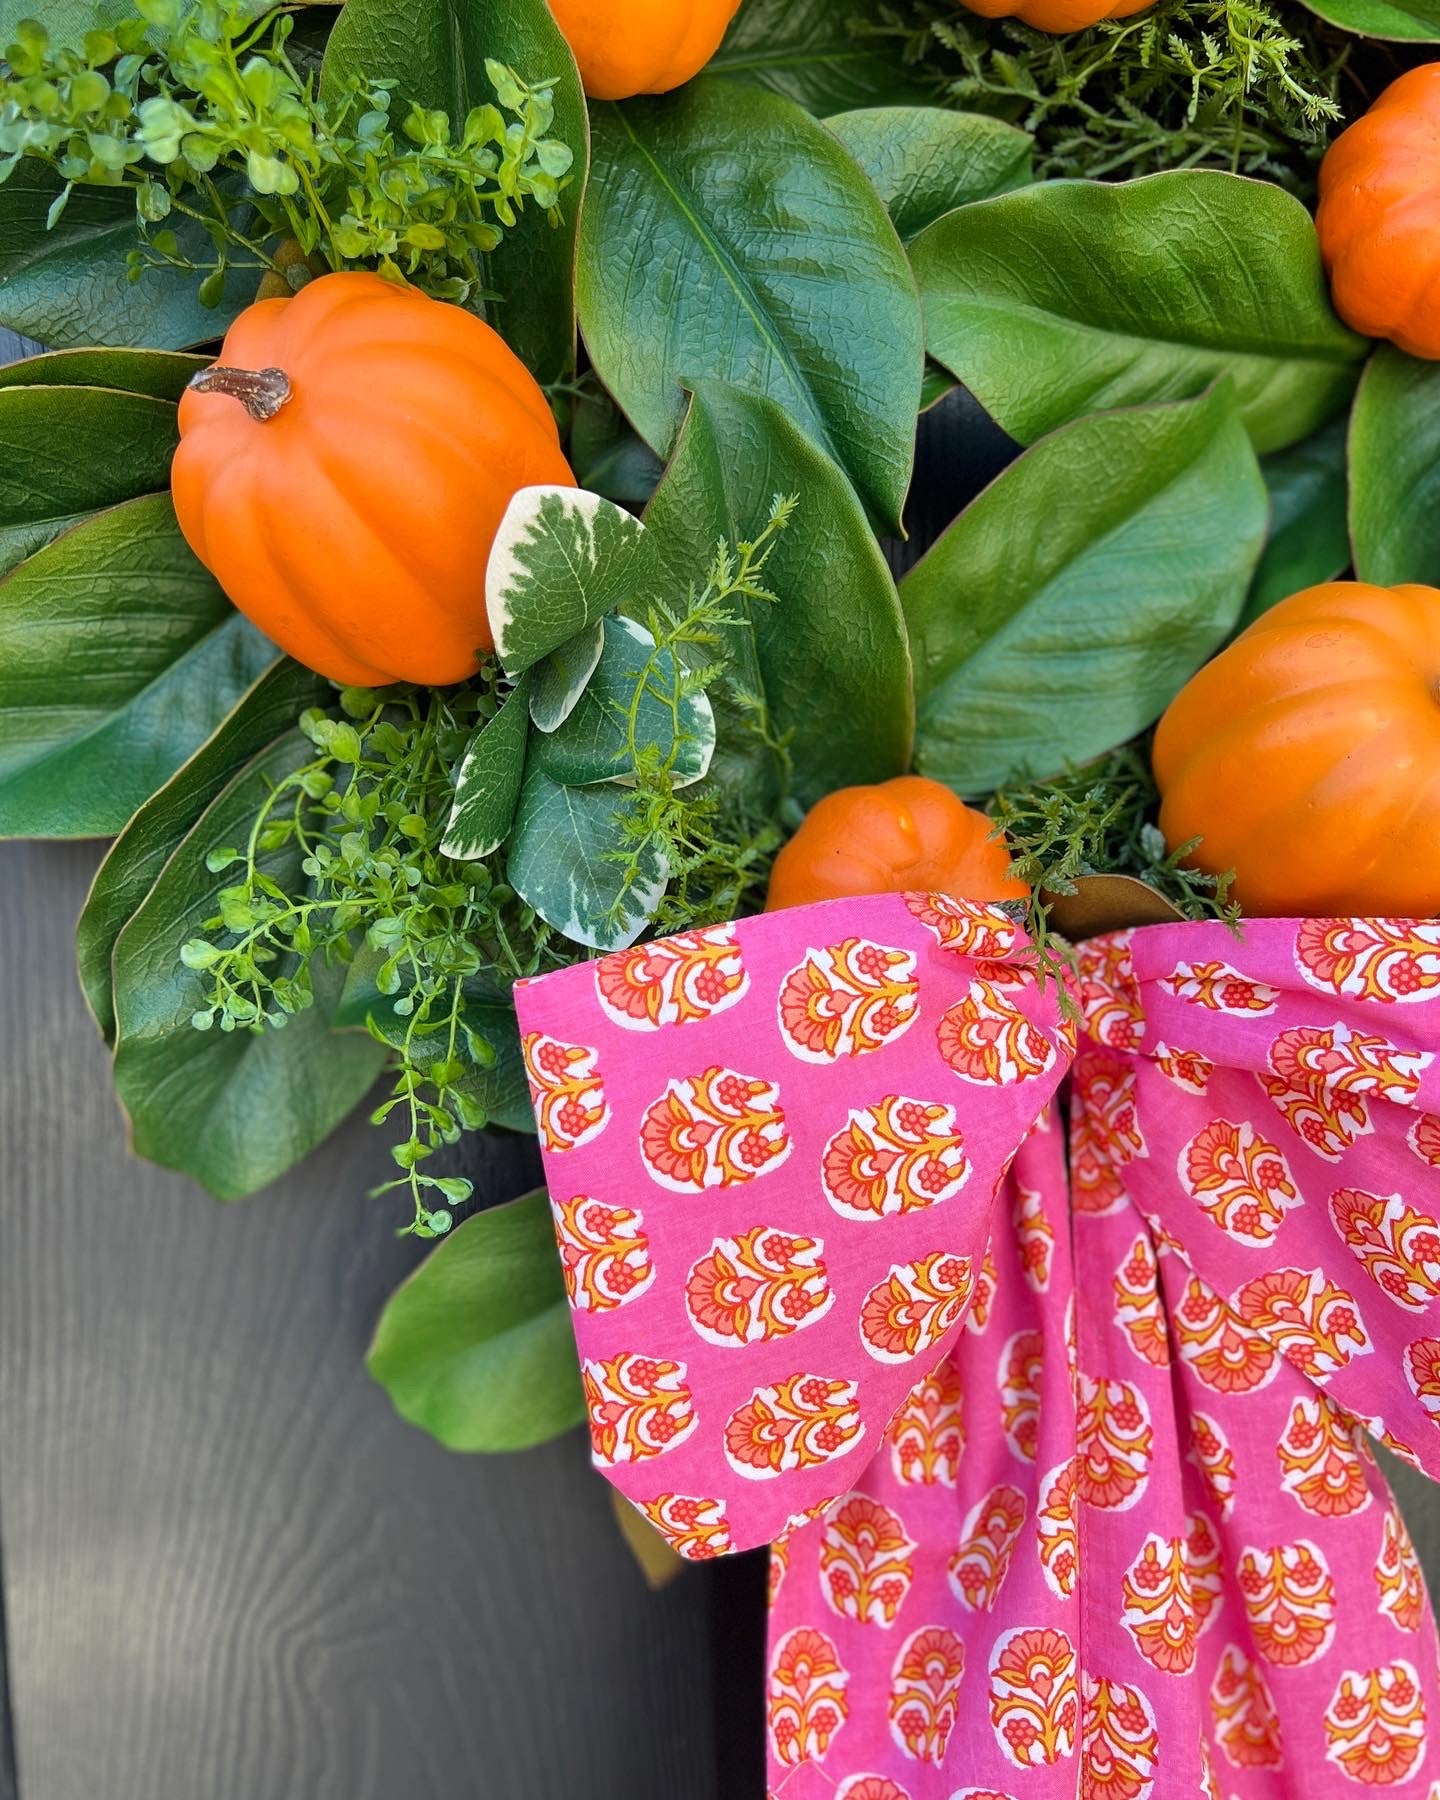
{"points": [[1064, 1458]]}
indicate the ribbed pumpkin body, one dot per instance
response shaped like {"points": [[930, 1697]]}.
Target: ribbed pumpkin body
{"points": [[1379, 216], [626, 47], [1057, 15], [354, 526], [908, 834], [1307, 756]]}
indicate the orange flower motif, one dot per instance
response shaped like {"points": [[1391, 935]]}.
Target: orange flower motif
{"points": [[977, 1321], [758, 1285], [987, 1543], [1187, 1070], [1211, 1454], [1035, 1237], [1247, 1726], [1322, 1079], [915, 1306], [866, 1564], [848, 999], [1422, 1373], [674, 981], [1290, 1601], [1138, 1311], [1058, 1529], [1240, 1179], [807, 1704], [927, 1435], [1397, 1246], [638, 1406], [1104, 1132], [1022, 1363], [1424, 1139], [1119, 1746], [566, 1091], [895, 1157], [1322, 1459], [987, 1039], [1034, 1696], [1314, 1324], [604, 1253], [796, 1423], [1113, 1441], [1110, 992], [714, 1130], [871, 1787], [966, 926], [1385, 960], [694, 1528], [1375, 1724], [924, 1693], [1398, 1575], [1169, 1593], [1219, 988], [1224, 1352]]}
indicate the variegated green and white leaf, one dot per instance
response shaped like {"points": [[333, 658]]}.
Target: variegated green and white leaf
{"points": [[487, 789], [558, 680], [561, 560]]}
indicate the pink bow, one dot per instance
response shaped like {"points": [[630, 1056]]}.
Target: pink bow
{"points": [[1085, 1454]]}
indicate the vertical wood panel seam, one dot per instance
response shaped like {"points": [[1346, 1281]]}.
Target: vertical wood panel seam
{"points": [[9, 1773]]}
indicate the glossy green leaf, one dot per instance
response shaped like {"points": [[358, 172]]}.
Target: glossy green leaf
{"points": [[119, 656], [146, 844], [608, 455], [831, 658], [1395, 471], [592, 744], [728, 236], [163, 374], [1401, 21], [236, 1109], [436, 51], [925, 160], [558, 680], [487, 787], [562, 861], [814, 52], [476, 1347], [1077, 296], [1040, 646], [1308, 540]]}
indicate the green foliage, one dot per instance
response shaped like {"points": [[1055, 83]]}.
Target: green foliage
{"points": [[1395, 470], [1308, 541], [204, 116]]}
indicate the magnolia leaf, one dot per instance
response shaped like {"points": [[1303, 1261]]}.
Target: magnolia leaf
{"points": [[487, 788], [1105, 903], [569, 859], [146, 844], [938, 385], [1035, 648], [1400, 21], [561, 560], [1308, 540], [1395, 471], [927, 160], [233, 1109], [162, 374], [558, 680], [1075, 297], [690, 271], [592, 744], [119, 655], [813, 52], [476, 1348]]}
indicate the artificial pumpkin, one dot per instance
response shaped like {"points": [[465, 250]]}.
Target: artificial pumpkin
{"points": [[1379, 216], [343, 469], [641, 46], [909, 833], [1057, 15], [1306, 756]]}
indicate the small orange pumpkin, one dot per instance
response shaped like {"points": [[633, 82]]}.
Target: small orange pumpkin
{"points": [[1379, 216], [344, 468], [1307, 756], [641, 46], [909, 833], [1057, 15]]}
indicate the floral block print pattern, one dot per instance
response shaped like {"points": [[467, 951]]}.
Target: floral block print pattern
{"points": [[1062, 1508]]}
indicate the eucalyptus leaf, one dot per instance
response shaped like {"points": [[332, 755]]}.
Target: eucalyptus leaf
{"points": [[568, 859], [830, 658], [163, 374], [487, 787], [1038, 647], [558, 680], [593, 743], [436, 50], [119, 655], [1400, 21], [816, 52], [476, 1348], [146, 844], [235, 1109], [1308, 540], [728, 236], [1074, 297], [1395, 471], [926, 160]]}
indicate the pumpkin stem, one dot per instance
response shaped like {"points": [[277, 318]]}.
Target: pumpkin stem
{"points": [[262, 392]]}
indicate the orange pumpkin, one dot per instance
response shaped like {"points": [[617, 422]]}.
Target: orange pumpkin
{"points": [[641, 46], [343, 470], [1057, 15], [1307, 756], [909, 833], [1379, 216]]}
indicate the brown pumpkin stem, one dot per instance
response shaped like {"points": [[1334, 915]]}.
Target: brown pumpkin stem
{"points": [[262, 392]]}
